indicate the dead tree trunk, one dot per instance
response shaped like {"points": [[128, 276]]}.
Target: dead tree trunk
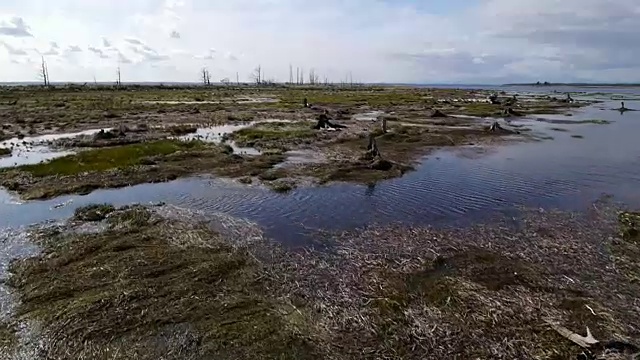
{"points": [[384, 125], [372, 148], [495, 127]]}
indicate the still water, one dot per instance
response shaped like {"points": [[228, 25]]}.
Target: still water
{"points": [[448, 187]]}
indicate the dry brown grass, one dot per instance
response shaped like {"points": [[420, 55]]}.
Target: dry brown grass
{"points": [[163, 283]]}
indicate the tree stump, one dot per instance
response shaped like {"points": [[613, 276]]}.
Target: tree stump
{"points": [[372, 148], [437, 114], [495, 127], [305, 103], [384, 125]]}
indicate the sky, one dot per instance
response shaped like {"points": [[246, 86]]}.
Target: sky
{"points": [[392, 41]]}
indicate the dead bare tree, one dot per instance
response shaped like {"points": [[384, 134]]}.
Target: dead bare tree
{"points": [[297, 76], [237, 78], [257, 75], [119, 79], [290, 74], [205, 77], [302, 76], [44, 73], [225, 81], [311, 76]]}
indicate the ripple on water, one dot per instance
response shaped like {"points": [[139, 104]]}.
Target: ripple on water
{"points": [[445, 187]]}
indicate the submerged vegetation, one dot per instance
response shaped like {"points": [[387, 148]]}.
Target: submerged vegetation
{"points": [[163, 282]]}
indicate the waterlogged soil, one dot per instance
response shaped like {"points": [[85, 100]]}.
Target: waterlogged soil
{"points": [[163, 282], [418, 121]]}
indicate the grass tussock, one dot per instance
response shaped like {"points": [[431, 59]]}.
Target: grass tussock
{"points": [[274, 134], [114, 167], [150, 287]]}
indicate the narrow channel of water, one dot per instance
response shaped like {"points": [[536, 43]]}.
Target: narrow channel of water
{"points": [[449, 187]]}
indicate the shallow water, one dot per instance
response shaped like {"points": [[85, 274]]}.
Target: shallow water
{"points": [[449, 187], [34, 149]]}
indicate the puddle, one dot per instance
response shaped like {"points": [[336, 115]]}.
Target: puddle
{"points": [[45, 139], [216, 134], [298, 157], [34, 149], [368, 116]]}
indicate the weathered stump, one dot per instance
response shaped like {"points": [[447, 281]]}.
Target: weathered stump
{"points": [[437, 114], [325, 123], [372, 148], [384, 125]]}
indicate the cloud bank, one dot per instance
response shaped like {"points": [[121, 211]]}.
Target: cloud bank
{"points": [[469, 41]]}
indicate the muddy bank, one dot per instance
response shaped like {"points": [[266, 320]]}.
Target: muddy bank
{"points": [[164, 282]]}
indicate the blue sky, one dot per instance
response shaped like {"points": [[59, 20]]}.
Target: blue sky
{"points": [[428, 41]]}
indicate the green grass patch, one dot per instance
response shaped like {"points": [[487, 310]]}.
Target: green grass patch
{"points": [[108, 158], [274, 131]]}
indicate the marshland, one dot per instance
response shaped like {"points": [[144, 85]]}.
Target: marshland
{"points": [[195, 222]]}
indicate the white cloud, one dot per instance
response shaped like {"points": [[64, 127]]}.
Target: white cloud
{"points": [[98, 52], [13, 50], [376, 40], [16, 26]]}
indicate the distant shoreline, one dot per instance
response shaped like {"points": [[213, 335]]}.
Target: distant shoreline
{"points": [[576, 84], [244, 84]]}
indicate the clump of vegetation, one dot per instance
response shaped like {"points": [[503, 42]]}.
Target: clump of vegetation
{"points": [[108, 158], [113, 167], [274, 134], [629, 225], [5, 151], [282, 186], [179, 130], [93, 212], [156, 288]]}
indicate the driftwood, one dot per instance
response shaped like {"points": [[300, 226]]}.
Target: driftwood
{"points": [[325, 123], [595, 349]]}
